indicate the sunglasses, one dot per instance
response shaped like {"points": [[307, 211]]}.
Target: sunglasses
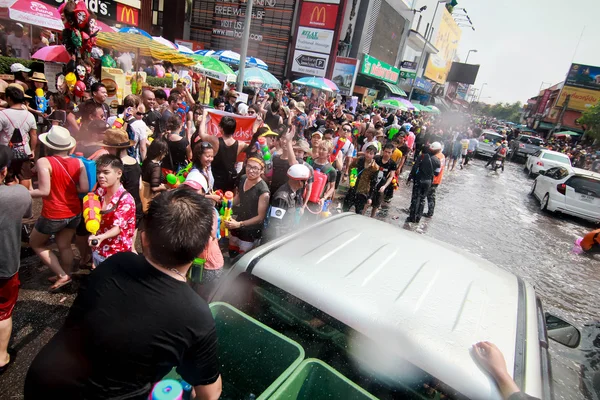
{"points": [[206, 145], [347, 130], [253, 168], [140, 113]]}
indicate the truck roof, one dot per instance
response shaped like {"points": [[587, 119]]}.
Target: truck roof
{"points": [[427, 301]]}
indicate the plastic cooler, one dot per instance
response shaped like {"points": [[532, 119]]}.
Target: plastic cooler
{"points": [[315, 380], [255, 359]]}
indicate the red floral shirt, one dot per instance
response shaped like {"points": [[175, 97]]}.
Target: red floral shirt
{"points": [[122, 216]]}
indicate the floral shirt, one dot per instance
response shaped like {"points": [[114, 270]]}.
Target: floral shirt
{"points": [[123, 216]]}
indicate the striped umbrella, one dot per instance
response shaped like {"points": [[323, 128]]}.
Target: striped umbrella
{"points": [[254, 62], [184, 49], [227, 56], [138, 41], [204, 52], [317, 83], [257, 77]]}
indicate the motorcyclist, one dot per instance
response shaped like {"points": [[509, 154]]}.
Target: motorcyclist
{"points": [[282, 213], [500, 154]]}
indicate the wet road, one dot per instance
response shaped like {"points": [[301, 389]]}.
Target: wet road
{"points": [[493, 216], [488, 214]]}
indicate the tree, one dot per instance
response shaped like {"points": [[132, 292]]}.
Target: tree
{"points": [[590, 119], [506, 111]]}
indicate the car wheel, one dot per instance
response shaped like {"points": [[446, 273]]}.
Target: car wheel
{"points": [[530, 174], [532, 193], [544, 202]]}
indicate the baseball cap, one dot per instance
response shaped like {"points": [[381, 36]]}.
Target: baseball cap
{"points": [[18, 67], [318, 133]]}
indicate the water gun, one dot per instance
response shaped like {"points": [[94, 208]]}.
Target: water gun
{"points": [[339, 145], [41, 101], [225, 212], [261, 145], [355, 128], [171, 389], [395, 182], [118, 124], [353, 177], [183, 173], [173, 181], [91, 212]]}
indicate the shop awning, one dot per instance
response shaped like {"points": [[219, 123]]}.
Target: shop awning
{"points": [[394, 89], [546, 125]]}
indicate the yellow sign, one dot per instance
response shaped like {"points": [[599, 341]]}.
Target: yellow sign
{"points": [[446, 42], [319, 13], [581, 99]]}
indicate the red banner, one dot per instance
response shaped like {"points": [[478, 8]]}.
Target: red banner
{"points": [[319, 15], [243, 128], [127, 15]]}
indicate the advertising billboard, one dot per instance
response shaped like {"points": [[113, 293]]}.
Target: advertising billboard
{"points": [[387, 34], [107, 10], [344, 74], [581, 99], [463, 73], [217, 24], [319, 15], [584, 76], [446, 42], [314, 39]]}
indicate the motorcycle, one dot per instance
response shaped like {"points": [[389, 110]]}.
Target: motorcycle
{"points": [[498, 164]]}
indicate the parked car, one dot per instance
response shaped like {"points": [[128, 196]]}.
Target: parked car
{"points": [[488, 143], [393, 311], [543, 160], [570, 191], [525, 145]]}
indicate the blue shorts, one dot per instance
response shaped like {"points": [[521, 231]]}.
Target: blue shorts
{"points": [[52, 226]]}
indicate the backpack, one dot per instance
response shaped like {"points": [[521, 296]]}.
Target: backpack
{"points": [[16, 143], [133, 150]]}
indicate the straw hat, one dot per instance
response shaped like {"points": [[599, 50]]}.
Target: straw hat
{"points": [[117, 139], [58, 138], [38, 77], [232, 93], [300, 106], [16, 85]]}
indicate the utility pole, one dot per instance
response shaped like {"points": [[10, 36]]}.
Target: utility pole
{"points": [[561, 115], [244, 47]]}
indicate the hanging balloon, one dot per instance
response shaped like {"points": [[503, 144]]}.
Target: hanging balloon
{"points": [[70, 80], [79, 90]]}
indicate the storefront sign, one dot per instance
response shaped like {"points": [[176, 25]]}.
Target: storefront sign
{"points": [[324, 1], [580, 100], [543, 102], [344, 74], [314, 39], [310, 63], [447, 39], [319, 15], [462, 90], [378, 69], [584, 76], [408, 69], [127, 15]]}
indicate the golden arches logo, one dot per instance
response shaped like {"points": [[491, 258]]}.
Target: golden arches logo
{"points": [[128, 15], [320, 13]]}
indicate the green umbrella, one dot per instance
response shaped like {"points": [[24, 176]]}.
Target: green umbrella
{"points": [[420, 107], [392, 103], [213, 68], [257, 77], [566, 133], [433, 109]]}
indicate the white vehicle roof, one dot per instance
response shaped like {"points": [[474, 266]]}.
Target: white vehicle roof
{"points": [[585, 172], [428, 302], [554, 152], [487, 131]]}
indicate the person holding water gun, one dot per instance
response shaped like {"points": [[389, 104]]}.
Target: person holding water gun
{"points": [[117, 225], [200, 176], [344, 154]]}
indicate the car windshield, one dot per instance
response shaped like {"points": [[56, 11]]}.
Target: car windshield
{"points": [[491, 138], [531, 140], [557, 157]]}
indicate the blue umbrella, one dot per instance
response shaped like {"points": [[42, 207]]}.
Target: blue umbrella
{"points": [[135, 31], [256, 63], [205, 52], [227, 56]]}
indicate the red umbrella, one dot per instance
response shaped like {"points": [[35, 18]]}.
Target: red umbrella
{"points": [[52, 53]]}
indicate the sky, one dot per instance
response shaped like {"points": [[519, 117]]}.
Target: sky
{"points": [[522, 43]]}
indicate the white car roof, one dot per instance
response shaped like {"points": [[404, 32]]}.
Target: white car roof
{"points": [[427, 301], [487, 131], [586, 172]]}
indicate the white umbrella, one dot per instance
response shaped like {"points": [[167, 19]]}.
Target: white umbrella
{"points": [[184, 49], [164, 41]]}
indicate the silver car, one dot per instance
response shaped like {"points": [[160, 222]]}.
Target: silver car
{"points": [[488, 143], [393, 311]]}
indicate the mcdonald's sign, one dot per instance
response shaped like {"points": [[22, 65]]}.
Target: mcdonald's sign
{"points": [[319, 15], [127, 15]]}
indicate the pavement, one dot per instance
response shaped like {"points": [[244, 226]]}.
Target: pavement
{"points": [[488, 214]]}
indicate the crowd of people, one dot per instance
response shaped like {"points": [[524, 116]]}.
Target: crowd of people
{"points": [[186, 196]]}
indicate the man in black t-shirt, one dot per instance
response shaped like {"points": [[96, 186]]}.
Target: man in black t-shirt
{"points": [[385, 176], [136, 318]]}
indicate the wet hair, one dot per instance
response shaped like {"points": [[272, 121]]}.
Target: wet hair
{"points": [[109, 160], [15, 94], [173, 123], [371, 148], [131, 100], [228, 125], [255, 107], [177, 227], [328, 131], [156, 149], [160, 94], [218, 101], [59, 101], [389, 146], [96, 86], [275, 106]]}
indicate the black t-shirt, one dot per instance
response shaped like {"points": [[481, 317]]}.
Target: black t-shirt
{"points": [[384, 170], [280, 168], [327, 169], [128, 327]]}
